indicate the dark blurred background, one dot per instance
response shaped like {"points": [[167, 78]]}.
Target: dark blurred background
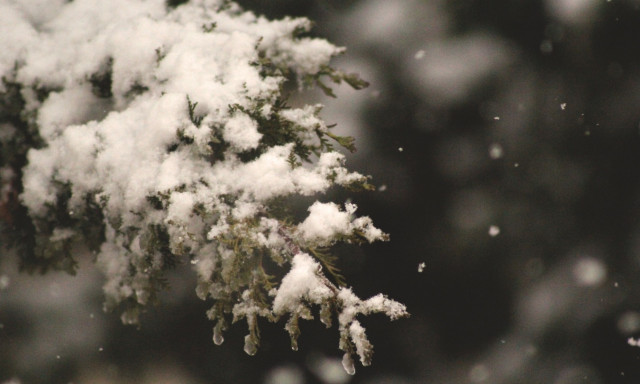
{"points": [[503, 136]]}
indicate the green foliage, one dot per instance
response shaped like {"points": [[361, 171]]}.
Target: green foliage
{"points": [[329, 262], [101, 81], [175, 3], [209, 27], [196, 120], [336, 76]]}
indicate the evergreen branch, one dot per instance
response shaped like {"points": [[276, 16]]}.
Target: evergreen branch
{"points": [[348, 142], [328, 261]]}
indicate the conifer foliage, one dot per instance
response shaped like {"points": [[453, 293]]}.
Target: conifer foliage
{"points": [[157, 133]]}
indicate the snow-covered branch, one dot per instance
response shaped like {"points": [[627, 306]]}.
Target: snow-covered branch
{"points": [[158, 135]]}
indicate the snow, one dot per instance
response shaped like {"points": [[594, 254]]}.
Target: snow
{"points": [[307, 55], [16, 35], [242, 132], [310, 54], [216, 230], [54, 116], [306, 117], [326, 221], [301, 283], [180, 206], [381, 303], [268, 176], [140, 128], [114, 264], [358, 335], [332, 164], [268, 235], [38, 191], [37, 11]]}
